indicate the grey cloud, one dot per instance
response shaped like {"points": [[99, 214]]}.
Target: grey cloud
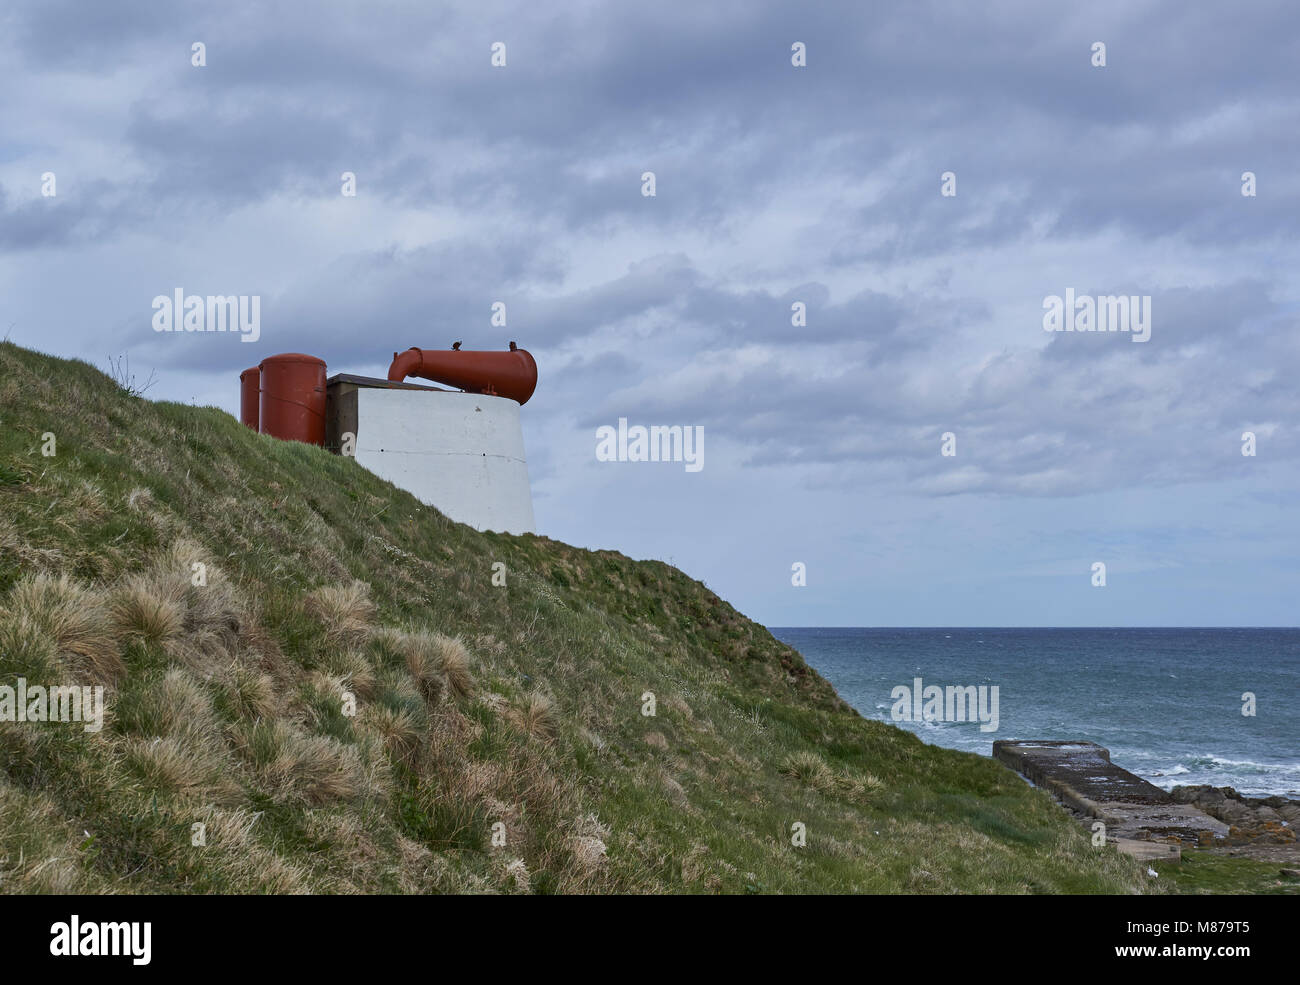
{"points": [[775, 185]]}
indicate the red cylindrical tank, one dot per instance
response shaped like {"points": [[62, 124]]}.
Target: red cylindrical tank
{"points": [[293, 398], [249, 397]]}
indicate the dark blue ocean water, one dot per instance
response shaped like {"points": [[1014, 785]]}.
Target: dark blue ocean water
{"points": [[1166, 702]]}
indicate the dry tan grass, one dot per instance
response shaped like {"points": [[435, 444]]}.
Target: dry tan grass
{"points": [[398, 729], [274, 876], [232, 849], [437, 663], [169, 572], [147, 608], [454, 660], [249, 692], [75, 619], [810, 769], [426, 674], [215, 615], [345, 611], [183, 749], [184, 767], [353, 669], [587, 850], [202, 650], [354, 856], [419, 870], [450, 732], [536, 716], [515, 874], [178, 707], [675, 791], [228, 830], [230, 853], [85, 500], [182, 554], [26, 649], [15, 548], [312, 769], [39, 850], [140, 500], [867, 783]]}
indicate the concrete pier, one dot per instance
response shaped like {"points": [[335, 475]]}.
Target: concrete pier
{"points": [[1140, 818]]}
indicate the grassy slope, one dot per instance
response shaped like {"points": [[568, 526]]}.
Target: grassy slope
{"points": [[225, 700]]}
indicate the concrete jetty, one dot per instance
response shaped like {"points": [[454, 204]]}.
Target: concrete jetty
{"points": [[1140, 818]]}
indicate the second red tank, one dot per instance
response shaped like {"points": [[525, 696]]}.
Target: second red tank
{"points": [[250, 396]]}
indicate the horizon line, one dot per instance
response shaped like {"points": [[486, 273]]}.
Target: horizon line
{"points": [[771, 627]]}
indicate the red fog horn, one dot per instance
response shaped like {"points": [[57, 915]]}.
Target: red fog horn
{"points": [[510, 374]]}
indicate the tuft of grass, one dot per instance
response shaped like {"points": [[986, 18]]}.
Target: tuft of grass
{"points": [[181, 767], [174, 706], [176, 745], [300, 768], [148, 609], [345, 611], [437, 663], [41, 854], [809, 769], [536, 716], [454, 660], [425, 667], [26, 648], [399, 729], [76, 621], [246, 693], [353, 669]]}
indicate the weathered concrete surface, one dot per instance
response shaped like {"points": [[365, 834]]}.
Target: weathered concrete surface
{"points": [[1149, 851], [1161, 822], [1080, 773], [1138, 815]]}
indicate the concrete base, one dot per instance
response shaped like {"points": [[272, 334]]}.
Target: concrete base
{"points": [[462, 453]]}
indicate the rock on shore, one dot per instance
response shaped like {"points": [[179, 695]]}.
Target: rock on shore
{"points": [[1269, 820]]}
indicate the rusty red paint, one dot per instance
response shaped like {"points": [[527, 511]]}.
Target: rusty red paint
{"points": [[510, 374], [293, 398], [250, 396]]}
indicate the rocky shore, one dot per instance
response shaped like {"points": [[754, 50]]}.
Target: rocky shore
{"points": [[1250, 820]]}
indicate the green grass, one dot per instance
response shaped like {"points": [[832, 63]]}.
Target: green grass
{"points": [[235, 721], [1203, 872]]}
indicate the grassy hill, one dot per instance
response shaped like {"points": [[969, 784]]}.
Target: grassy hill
{"points": [[482, 713]]}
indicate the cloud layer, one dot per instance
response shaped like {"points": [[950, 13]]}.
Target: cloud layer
{"points": [[774, 185]]}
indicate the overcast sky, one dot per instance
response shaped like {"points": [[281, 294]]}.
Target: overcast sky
{"points": [[775, 183]]}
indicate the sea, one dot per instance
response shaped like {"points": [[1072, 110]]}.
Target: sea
{"points": [[1167, 703]]}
